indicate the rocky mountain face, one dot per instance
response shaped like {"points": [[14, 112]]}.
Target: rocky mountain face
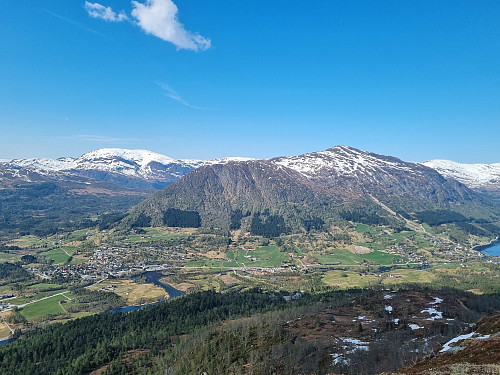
{"points": [[136, 169], [479, 177], [304, 187]]}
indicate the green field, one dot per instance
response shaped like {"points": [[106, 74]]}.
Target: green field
{"points": [[28, 241], [5, 257], [345, 257], [266, 256], [45, 307], [383, 239], [81, 235], [151, 234], [39, 295], [59, 255], [381, 258]]}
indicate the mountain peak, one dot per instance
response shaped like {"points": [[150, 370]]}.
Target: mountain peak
{"points": [[141, 157], [342, 160]]}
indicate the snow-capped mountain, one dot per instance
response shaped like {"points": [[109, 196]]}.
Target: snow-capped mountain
{"points": [[316, 184], [482, 177], [131, 168], [343, 160]]}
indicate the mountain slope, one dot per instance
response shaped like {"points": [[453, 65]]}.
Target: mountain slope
{"points": [[315, 185], [480, 177]]}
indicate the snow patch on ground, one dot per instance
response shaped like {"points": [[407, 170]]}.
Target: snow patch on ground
{"points": [[414, 326], [437, 300], [447, 347], [355, 344], [338, 358], [388, 308], [434, 313]]}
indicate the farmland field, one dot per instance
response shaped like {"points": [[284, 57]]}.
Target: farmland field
{"points": [[345, 257], [45, 307], [59, 255]]}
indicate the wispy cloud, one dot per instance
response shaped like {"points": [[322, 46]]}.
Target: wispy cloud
{"points": [[75, 23], [97, 10], [155, 17], [100, 138], [174, 95]]}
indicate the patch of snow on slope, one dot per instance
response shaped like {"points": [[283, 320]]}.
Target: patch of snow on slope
{"points": [[437, 300], [434, 313], [446, 347], [414, 326], [342, 160], [355, 343]]}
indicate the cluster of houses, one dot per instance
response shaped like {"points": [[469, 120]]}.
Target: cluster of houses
{"points": [[114, 261]]}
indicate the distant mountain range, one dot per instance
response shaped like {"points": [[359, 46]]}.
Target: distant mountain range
{"points": [[480, 177], [136, 169], [316, 187], [290, 192], [143, 169]]}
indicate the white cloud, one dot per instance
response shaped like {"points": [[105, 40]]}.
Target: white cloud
{"points": [[97, 10], [159, 18]]}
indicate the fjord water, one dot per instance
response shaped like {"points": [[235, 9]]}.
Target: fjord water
{"points": [[493, 250]]}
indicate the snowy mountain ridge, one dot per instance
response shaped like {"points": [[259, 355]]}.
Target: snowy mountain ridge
{"points": [[109, 164], [341, 160], [113, 164], [115, 160], [477, 176]]}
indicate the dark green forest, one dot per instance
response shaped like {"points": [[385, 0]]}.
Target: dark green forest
{"points": [[229, 333], [45, 209]]}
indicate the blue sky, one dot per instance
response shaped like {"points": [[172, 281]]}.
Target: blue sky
{"points": [[203, 79]]}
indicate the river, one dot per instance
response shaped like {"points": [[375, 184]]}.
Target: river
{"points": [[153, 278]]}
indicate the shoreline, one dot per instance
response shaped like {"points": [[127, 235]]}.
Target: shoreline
{"points": [[484, 247]]}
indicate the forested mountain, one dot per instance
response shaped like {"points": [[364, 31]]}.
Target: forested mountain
{"points": [[319, 186], [43, 196]]}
